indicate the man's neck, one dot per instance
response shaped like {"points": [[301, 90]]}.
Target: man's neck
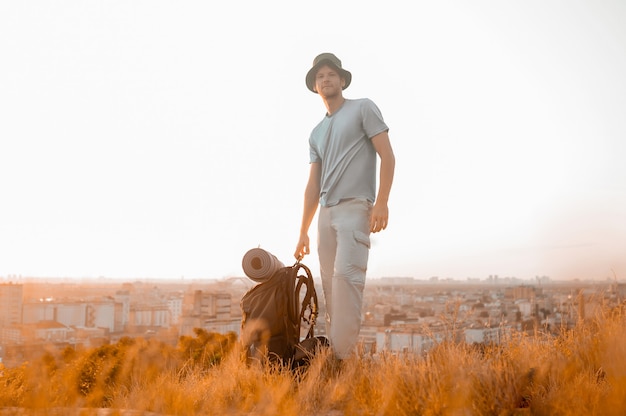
{"points": [[333, 103]]}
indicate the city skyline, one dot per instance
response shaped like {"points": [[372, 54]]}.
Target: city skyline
{"points": [[152, 140]]}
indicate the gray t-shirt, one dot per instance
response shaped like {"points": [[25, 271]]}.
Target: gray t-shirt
{"points": [[342, 143]]}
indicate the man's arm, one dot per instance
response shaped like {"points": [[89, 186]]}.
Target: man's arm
{"points": [[311, 201], [380, 211]]}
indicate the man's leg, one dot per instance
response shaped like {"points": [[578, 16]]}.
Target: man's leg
{"points": [[350, 222], [326, 249]]}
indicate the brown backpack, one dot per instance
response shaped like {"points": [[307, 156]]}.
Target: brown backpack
{"points": [[273, 314]]}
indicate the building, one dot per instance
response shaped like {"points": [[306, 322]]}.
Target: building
{"points": [[209, 311], [145, 317], [43, 331], [211, 305], [98, 313], [122, 299], [406, 340], [10, 304], [48, 331], [175, 306], [484, 335]]}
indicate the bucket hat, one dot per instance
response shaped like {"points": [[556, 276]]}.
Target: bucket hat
{"points": [[332, 60]]}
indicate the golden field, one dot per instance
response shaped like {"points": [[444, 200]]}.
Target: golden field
{"points": [[579, 371]]}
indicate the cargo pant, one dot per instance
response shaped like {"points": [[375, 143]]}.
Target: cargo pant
{"points": [[343, 249]]}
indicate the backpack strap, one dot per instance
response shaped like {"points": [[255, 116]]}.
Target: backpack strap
{"points": [[309, 306]]}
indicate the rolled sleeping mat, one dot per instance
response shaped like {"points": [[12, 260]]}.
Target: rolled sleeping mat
{"points": [[259, 265]]}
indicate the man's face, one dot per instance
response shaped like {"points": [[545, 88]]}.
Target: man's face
{"points": [[328, 82]]}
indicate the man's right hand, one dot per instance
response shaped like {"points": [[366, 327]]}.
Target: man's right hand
{"points": [[302, 248]]}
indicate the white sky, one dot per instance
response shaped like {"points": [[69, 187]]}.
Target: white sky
{"points": [[166, 138]]}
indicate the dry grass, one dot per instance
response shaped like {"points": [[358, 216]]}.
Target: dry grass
{"points": [[581, 371]]}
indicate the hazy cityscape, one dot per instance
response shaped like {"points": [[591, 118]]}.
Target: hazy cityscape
{"points": [[400, 314]]}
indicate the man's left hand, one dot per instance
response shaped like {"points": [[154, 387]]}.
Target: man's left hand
{"points": [[379, 218]]}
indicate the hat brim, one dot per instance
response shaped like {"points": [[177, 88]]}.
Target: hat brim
{"points": [[310, 76]]}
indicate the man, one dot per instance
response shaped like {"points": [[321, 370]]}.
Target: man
{"points": [[342, 180]]}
